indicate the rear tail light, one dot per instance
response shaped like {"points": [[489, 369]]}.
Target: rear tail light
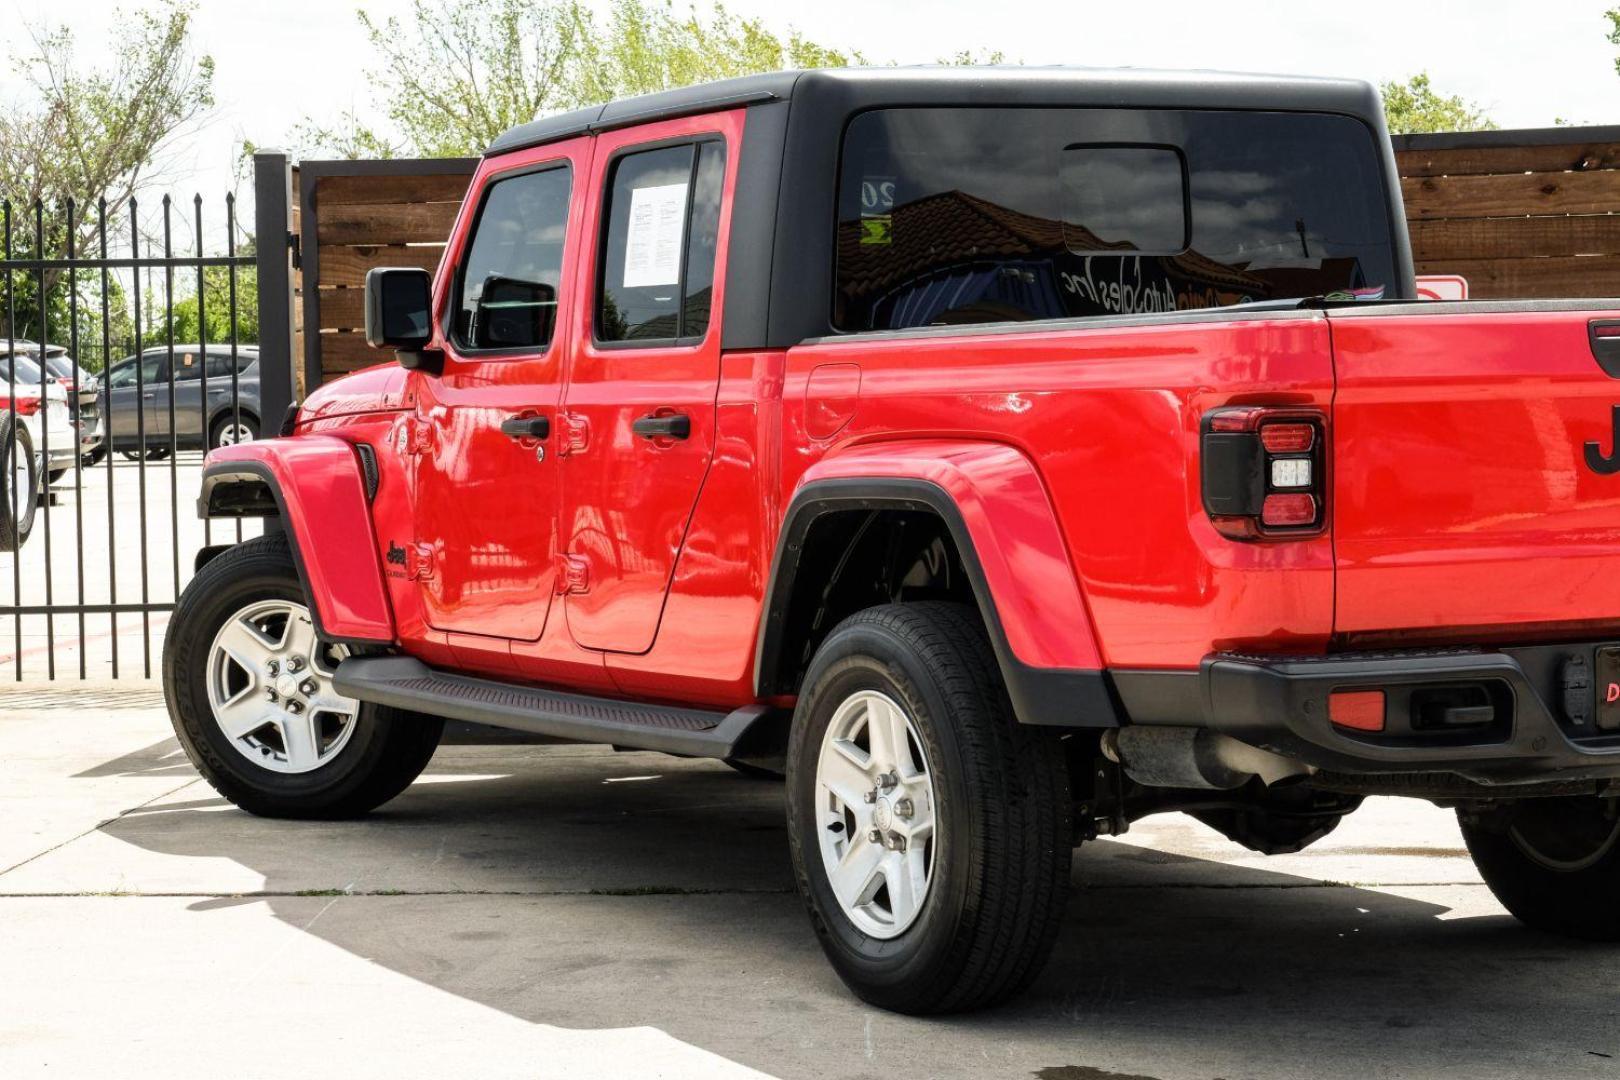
{"points": [[1288, 511], [1287, 438], [27, 406], [1263, 475]]}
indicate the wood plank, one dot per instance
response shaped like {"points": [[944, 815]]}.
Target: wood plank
{"points": [[1508, 159], [1508, 238], [346, 352], [1512, 196], [396, 223], [370, 190], [1534, 279], [348, 265], [343, 309]]}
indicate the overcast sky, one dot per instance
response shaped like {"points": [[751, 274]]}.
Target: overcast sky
{"points": [[1526, 63]]}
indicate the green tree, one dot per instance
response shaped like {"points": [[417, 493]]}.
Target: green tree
{"points": [[645, 47], [455, 74], [1414, 106], [215, 309], [88, 133]]}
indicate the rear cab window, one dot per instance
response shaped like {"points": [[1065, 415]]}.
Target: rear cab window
{"points": [[957, 216], [661, 228]]}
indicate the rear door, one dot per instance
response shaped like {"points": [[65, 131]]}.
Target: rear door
{"points": [[185, 391], [639, 406], [1465, 504]]}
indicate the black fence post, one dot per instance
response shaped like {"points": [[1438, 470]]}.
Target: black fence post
{"points": [[272, 228]]}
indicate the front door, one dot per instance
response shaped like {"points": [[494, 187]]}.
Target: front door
{"points": [[482, 432], [639, 407]]}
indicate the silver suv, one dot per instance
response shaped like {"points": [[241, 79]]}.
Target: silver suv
{"points": [[130, 395]]}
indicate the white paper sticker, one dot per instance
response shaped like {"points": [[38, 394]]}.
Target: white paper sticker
{"points": [[652, 247]]}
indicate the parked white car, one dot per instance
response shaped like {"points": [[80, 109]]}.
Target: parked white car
{"points": [[34, 415], [56, 415]]}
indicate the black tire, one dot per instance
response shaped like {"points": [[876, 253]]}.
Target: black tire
{"points": [[386, 751], [1554, 863], [217, 428], [54, 475], [151, 453], [15, 528], [1000, 877], [94, 457]]}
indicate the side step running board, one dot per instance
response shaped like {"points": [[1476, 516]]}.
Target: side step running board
{"points": [[406, 683]]}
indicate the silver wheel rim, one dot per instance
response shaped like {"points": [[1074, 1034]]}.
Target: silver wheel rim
{"points": [[21, 482], [875, 814], [231, 434], [270, 689]]}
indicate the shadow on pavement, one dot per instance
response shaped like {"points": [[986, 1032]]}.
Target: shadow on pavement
{"points": [[589, 890]]}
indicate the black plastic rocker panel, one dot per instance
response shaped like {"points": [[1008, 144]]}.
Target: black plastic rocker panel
{"points": [[406, 683]]}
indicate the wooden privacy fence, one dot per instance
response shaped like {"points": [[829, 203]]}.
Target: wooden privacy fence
{"points": [[1529, 213], [353, 216]]}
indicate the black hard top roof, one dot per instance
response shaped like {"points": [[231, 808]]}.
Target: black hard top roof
{"points": [[862, 88]]}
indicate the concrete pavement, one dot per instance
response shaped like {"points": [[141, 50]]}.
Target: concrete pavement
{"points": [[531, 911]]}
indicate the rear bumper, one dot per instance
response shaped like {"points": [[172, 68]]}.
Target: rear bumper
{"points": [[1542, 724]]}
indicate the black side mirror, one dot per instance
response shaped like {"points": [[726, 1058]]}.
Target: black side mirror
{"points": [[399, 311]]}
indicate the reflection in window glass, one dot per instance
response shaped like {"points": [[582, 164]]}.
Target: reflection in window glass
{"points": [[956, 216], [1123, 198], [513, 266], [663, 221]]}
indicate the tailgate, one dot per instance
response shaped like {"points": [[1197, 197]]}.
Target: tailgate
{"points": [[1465, 507]]}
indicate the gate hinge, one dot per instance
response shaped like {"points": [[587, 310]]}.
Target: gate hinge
{"points": [[573, 574], [295, 244], [419, 562], [418, 436], [576, 433]]}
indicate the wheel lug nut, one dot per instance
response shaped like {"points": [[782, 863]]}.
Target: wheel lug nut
{"points": [[871, 796], [307, 686], [295, 664], [903, 808], [895, 842], [274, 667], [271, 694], [887, 780], [295, 707], [876, 836]]}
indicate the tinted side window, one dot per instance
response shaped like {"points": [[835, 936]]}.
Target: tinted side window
{"points": [[506, 296], [952, 216], [219, 364], [187, 365], [662, 227], [152, 370]]}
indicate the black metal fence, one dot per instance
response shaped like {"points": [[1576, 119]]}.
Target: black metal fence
{"points": [[127, 351]]}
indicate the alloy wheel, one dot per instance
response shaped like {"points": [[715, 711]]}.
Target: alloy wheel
{"points": [[875, 808], [270, 688], [234, 432]]}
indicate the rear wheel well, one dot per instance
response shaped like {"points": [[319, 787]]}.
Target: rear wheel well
{"points": [[856, 559]]}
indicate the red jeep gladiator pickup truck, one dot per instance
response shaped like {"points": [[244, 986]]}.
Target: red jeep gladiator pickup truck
{"points": [[1004, 455]]}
